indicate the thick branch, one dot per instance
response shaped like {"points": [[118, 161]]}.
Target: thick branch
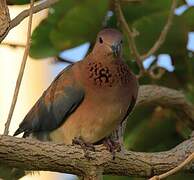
{"points": [[187, 161], [170, 98], [35, 155]]}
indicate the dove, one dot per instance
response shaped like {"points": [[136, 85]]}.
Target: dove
{"points": [[88, 100]]}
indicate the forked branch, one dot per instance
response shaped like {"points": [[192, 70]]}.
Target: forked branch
{"points": [[176, 169], [161, 39], [20, 17], [131, 38]]}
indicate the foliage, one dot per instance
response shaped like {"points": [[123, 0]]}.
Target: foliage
{"points": [[83, 14], [71, 23], [18, 2]]}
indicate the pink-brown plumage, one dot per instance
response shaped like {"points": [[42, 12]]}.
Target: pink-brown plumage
{"points": [[89, 99]]}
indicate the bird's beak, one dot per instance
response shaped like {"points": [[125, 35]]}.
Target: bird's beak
{"points": [[116, 48]]}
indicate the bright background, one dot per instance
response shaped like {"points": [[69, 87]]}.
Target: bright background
{"points": [[33, 84], [37, 77]]}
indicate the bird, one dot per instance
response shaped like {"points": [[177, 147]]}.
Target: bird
{"points": [[88, 100]]}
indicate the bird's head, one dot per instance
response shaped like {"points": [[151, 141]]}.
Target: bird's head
{"points": [[109, 43]]}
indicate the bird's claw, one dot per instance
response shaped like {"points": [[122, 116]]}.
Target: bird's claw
{"points": [[84, 145], [112, 146]]}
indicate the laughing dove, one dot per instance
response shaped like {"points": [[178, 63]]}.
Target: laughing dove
{"points": [[87, 100]]}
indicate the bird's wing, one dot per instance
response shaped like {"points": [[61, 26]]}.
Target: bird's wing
{"points": [[54, 106], [134, 93]]}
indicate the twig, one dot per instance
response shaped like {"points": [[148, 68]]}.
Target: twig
{"points": [[130, 36], [168, 98], [20, 17], [176, 169], [18, 83], [4, 19], [163, 33], [156, 72], [58, 58], [12, 44]]}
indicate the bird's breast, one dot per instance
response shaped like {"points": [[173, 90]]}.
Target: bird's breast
{"points": [[106, 101], [95, 118], [99, 75]]}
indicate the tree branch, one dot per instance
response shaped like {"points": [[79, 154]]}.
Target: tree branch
{"points": [[20, 17], [130, 36], [189, 159], [62, 158], [132, 45], [4, 19], [166, 97], [35, 155], [163, 33], [19, 80], [12, 44], [60, 59]]}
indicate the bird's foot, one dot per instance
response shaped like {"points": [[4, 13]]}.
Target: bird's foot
{"points": [[112, 146], [84, 145]]}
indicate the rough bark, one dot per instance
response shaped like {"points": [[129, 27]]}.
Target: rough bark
{"points": [[166, 97], [4, 19], [6, 24], [35, 155]]}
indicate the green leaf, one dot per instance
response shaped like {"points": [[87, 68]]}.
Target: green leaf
{"points": [[135, 11], [80, 24], [10, 173], [41, 45], [157, 132], [69, 24], [189, 16], [150, 28], [18, 2]]}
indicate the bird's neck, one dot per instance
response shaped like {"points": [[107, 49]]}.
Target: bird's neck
{"points": [[105, 72], [102, 57]]}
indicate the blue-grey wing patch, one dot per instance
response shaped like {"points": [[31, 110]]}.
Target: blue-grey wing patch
{"points": [[45, 118], [54, 106]]}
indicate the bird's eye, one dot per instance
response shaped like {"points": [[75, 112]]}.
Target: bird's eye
{"points": [[100, 40]]}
